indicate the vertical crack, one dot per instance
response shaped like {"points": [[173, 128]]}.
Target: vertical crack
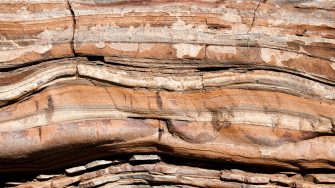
{"points": [[74, 24], [253, 21], [254, 17], [77, 68], [202, 83]]}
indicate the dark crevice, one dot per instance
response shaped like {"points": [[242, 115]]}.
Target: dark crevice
{"points": [[147, 118], [95, 58], [254, 17], [74, 26]]}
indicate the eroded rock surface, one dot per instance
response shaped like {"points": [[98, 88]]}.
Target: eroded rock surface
{"points": [[154, 93]]}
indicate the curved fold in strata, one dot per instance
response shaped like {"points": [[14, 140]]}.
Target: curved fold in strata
{"points": [[18, 84], [14, 86], [90, 139], [262, 79], [229, 84], [263, 108], [65, 124]]}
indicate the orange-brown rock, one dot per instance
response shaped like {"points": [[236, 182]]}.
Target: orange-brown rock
{"points": [[155, 93]]}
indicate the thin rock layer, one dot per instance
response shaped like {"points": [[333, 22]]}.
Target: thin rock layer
{"points": [[155, 93]]}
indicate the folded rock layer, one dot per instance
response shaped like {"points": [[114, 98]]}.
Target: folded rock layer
{"points": [[154, 93]]}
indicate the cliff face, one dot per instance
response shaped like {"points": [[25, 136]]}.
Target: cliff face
{"points": [[192, 93]]}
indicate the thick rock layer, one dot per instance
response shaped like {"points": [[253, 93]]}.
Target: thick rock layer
{"points": [[203, 93]]}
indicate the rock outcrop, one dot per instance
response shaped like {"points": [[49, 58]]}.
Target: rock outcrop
{"points": [[153, 93]]}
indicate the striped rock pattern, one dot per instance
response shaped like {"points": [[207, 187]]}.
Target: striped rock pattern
{"points": [[227, 93]]}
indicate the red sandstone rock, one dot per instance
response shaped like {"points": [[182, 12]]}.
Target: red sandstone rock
{"points": [[201, 93]]}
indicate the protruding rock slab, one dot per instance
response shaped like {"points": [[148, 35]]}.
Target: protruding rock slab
{"points": [[137, 158]]}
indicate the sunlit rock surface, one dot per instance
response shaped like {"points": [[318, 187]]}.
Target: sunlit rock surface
{"points": [[154, 93]]}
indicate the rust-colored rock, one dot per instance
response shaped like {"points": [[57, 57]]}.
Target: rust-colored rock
{"points": [[154, 93]]}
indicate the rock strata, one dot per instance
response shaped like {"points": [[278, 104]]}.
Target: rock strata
{"points": [[155, 93]]}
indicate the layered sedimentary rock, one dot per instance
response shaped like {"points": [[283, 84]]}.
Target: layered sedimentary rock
{"points": [[143, 171], [201, 93]]}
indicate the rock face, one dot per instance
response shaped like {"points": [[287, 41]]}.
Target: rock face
{"points": [[154, 93]]}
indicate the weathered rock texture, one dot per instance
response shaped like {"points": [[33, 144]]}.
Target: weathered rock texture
{"points": [[204, 93]]}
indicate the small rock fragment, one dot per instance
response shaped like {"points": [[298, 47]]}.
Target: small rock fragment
{"points": [[43, 177], [145, 158], [12, 184], [97, 163], [75, 169]]}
